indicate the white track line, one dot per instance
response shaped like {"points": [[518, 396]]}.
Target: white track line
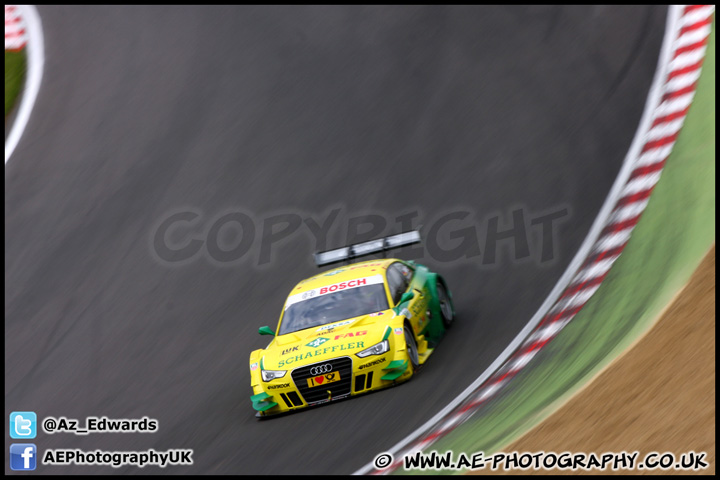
{"points": [[35, 49]]}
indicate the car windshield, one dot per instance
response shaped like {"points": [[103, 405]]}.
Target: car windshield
{"points": [[333, 307]]}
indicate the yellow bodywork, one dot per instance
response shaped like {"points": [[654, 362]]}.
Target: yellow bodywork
{"points": [[338, 341]]}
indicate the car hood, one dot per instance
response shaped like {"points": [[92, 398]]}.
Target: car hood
{"points": [[328, 341]]}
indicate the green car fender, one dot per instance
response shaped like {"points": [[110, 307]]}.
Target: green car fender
{"points": [[435, 329]]}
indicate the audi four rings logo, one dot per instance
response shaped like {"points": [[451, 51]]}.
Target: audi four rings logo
{"points": [[320, 369]]}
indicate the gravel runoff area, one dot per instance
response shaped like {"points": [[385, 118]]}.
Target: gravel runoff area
{"points": [[657, 397]]}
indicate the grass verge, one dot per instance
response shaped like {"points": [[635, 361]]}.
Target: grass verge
{"points": [[15, 66]]}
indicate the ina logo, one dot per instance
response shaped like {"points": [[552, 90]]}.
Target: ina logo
{"points": [[334, 272], [317, 342]]}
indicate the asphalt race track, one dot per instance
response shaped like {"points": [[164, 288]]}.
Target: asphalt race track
{"points": [[146, 111]]}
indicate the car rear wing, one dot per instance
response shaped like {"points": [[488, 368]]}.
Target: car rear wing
{"points": [[366, 248]]}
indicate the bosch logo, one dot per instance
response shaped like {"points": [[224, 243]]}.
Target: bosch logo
{"points": [[321, 369]]}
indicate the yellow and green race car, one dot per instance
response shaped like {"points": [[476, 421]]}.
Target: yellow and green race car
{"points": [[354, 329]]}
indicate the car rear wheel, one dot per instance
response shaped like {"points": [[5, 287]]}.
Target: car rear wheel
{"points": [[446, 308], [411, 347]]}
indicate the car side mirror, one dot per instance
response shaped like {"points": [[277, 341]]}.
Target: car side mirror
{"points": [[407, 296], [266, 331]]}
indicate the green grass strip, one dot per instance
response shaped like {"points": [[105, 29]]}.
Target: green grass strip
{"points": [[14, 77], [675, 231]]}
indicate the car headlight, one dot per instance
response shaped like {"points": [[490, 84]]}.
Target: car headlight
{"points": [[268, 375], [377, 349]]}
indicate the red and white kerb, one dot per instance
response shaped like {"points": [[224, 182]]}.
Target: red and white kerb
{"points": [[15, 30]]}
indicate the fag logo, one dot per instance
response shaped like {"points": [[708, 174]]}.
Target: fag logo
{"points": [[317, 342], [351, 334]]}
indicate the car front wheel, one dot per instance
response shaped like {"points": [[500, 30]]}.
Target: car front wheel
{"points": [[411, 347]]}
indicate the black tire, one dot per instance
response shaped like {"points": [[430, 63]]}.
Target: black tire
{"points": [[411, 347], [445, 304]]}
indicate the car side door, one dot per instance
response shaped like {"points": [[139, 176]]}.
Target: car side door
{"points": [[401, 279]]}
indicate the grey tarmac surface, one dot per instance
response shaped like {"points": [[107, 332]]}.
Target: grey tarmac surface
{"points": [[146, 111]]}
